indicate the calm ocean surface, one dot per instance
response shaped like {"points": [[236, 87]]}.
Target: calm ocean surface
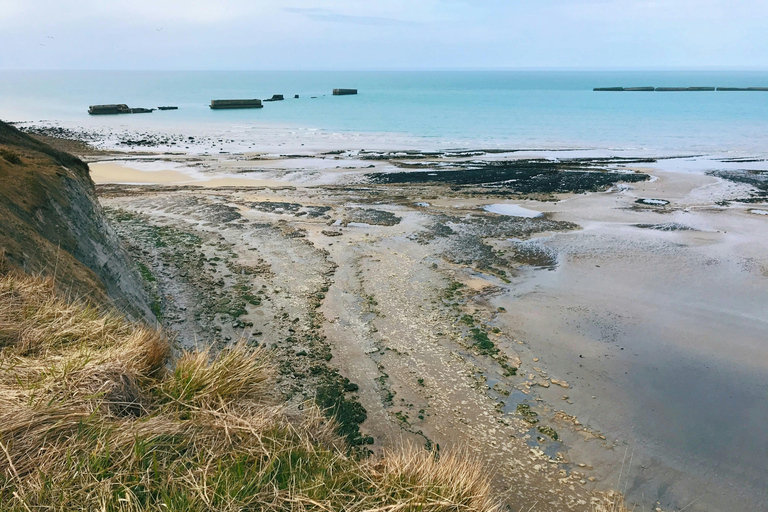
{"points": [[510, 109]]}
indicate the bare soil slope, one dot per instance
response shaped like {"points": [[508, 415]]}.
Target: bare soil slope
{"points": [[51, 223]]}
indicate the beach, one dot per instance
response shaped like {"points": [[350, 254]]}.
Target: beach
{"points": [[572, 284], [630, 308]]}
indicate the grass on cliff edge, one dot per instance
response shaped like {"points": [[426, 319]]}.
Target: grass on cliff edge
{"points": [[91, 418]]}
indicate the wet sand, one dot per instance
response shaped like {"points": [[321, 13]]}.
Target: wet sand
{"points": [[656, 311], [664, 336]]}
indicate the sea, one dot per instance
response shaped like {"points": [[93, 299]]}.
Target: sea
{"points": [[415, 109]]}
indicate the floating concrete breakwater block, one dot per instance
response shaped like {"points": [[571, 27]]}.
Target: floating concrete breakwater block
{"points": [[222, 104], [121, 108], [344, 92], [621, 89], [740, 89], [684, 89], [117, 108], [677, 89]]}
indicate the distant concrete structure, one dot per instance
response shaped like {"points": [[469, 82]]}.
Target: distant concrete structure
{"points": [[734, 89], [680, 89], [222, 104], [684, 89], [276, 97], [120, 108], [344, 92]]}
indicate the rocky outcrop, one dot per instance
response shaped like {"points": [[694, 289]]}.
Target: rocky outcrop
{"points": [[52, 224]]}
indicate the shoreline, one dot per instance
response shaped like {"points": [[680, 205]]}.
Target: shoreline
{"points": [[217, 139], [296, 184]]}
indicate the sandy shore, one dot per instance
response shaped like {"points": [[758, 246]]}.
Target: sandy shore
{"points": [[662, 333], [636, 331]]}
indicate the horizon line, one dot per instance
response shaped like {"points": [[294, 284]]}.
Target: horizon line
{"points": [[415, 69]]}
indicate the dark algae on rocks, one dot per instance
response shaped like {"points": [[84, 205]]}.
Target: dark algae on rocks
{"points": [[523, 176]]}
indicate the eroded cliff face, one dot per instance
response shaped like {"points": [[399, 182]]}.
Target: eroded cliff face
{"points": [[52, 224]]}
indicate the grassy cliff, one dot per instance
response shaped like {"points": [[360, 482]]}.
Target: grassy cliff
{"points": [[52, 224], [93, 416]]}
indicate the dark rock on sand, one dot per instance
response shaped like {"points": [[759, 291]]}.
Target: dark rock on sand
{"points": [[523, 176]]}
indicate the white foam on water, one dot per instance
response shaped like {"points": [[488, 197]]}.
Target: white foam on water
{"points": [[512, 210], [759, 212]]}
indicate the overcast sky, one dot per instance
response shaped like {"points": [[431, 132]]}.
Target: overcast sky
{"points": [[382, 34]]}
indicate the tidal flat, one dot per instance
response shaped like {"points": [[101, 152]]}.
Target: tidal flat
{"points": [[616, 342]]}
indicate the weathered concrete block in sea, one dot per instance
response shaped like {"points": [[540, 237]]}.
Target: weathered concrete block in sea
{"points": [[222, 104], [276, 97], [344, 92], [120, 108], [684, 89], [681, 89], [621, 89], [734, 89]]}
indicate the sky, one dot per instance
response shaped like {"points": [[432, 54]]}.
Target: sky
{"points": [[383, 34]]}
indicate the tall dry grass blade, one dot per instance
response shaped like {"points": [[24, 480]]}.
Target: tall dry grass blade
{"points": [[90, 419]]}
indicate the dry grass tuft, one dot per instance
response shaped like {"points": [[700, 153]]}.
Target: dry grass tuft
{"points": [[33, 321], [418, 478], [236, 375], [90, 419]]}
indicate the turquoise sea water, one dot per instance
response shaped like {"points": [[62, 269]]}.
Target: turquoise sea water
{"points": [[511, 109]]}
